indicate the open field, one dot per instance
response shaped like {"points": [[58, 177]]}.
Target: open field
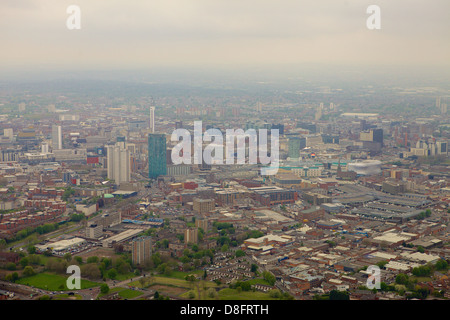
{"points": [[233, 294], [130, 294], [52, 282]]}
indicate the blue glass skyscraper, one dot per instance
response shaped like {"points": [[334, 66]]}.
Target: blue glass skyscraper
{"points": [[157, 155]]}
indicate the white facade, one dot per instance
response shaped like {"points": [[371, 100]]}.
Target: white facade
{"points": [[152, 119], [118, 163], [56, 137]]}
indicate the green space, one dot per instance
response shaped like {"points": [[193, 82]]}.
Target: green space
{"points": [[124, 293], [235, 294], [52, 282], [65, 296], [130, 294]]}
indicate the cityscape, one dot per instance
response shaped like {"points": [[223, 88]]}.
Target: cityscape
{"points": [[302, 182]]}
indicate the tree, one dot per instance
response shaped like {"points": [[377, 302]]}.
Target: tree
{"points": [[212, 293], [104, 288], [92, 259], [31, 249], [240, 253], [14, 277], [269, 277], [441, 265], [112, 273], [246, 286], [78, 259], [91, 271], [402, 278], [11, 266], [254, 268], [339, 295], [28, 271], [67, 256], [421, 271], [24, 262], [274, 293]]}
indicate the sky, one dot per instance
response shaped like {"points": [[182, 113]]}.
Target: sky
{"points": [[134, 34]]}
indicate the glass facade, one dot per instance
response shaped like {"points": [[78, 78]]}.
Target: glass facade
{"points": [[157, 155]]}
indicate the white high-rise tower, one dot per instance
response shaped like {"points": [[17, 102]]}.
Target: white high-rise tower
{"points": [[118, 162], [152, 119], [56, 137]]}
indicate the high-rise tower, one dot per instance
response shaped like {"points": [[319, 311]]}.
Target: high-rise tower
{"points": [[152, 119], [157, 155], [118, 162], [56, 137]]}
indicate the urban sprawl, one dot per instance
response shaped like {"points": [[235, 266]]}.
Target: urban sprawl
{"points": [[90, 182]]}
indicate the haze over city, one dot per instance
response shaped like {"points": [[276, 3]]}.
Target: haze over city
{"points": [[222, 34], [120, 178]]}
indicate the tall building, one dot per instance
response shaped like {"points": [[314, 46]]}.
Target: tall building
{"points": [[372, 135], [203, 205], [295, 144], [202, 223], [118, 162], [44, 147], [152, 119], [9, 133], [191, 235], [157, 155], [141, 250], [56, 137]]}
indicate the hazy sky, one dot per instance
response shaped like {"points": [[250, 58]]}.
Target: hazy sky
{"points": [[148, 33]]}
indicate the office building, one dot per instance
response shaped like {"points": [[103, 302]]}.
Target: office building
{"points": [[9, 133], [56, 137], [157, 155], [94, 231], [118, 163], [372, 135], [295, 144], [141, 250], [204, 205], [152, 119]]}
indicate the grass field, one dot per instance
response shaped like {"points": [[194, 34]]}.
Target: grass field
{"points": [[176, 285], [233, 294], [65, 296], [53, 282], [130, 294], [123, 293]]}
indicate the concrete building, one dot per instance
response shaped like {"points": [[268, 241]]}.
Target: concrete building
{"points": [[141, 250], [56, 137], [191, 235], [203, 205], [94, 231], [152, 119], [118, 163], [202, 223]]}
